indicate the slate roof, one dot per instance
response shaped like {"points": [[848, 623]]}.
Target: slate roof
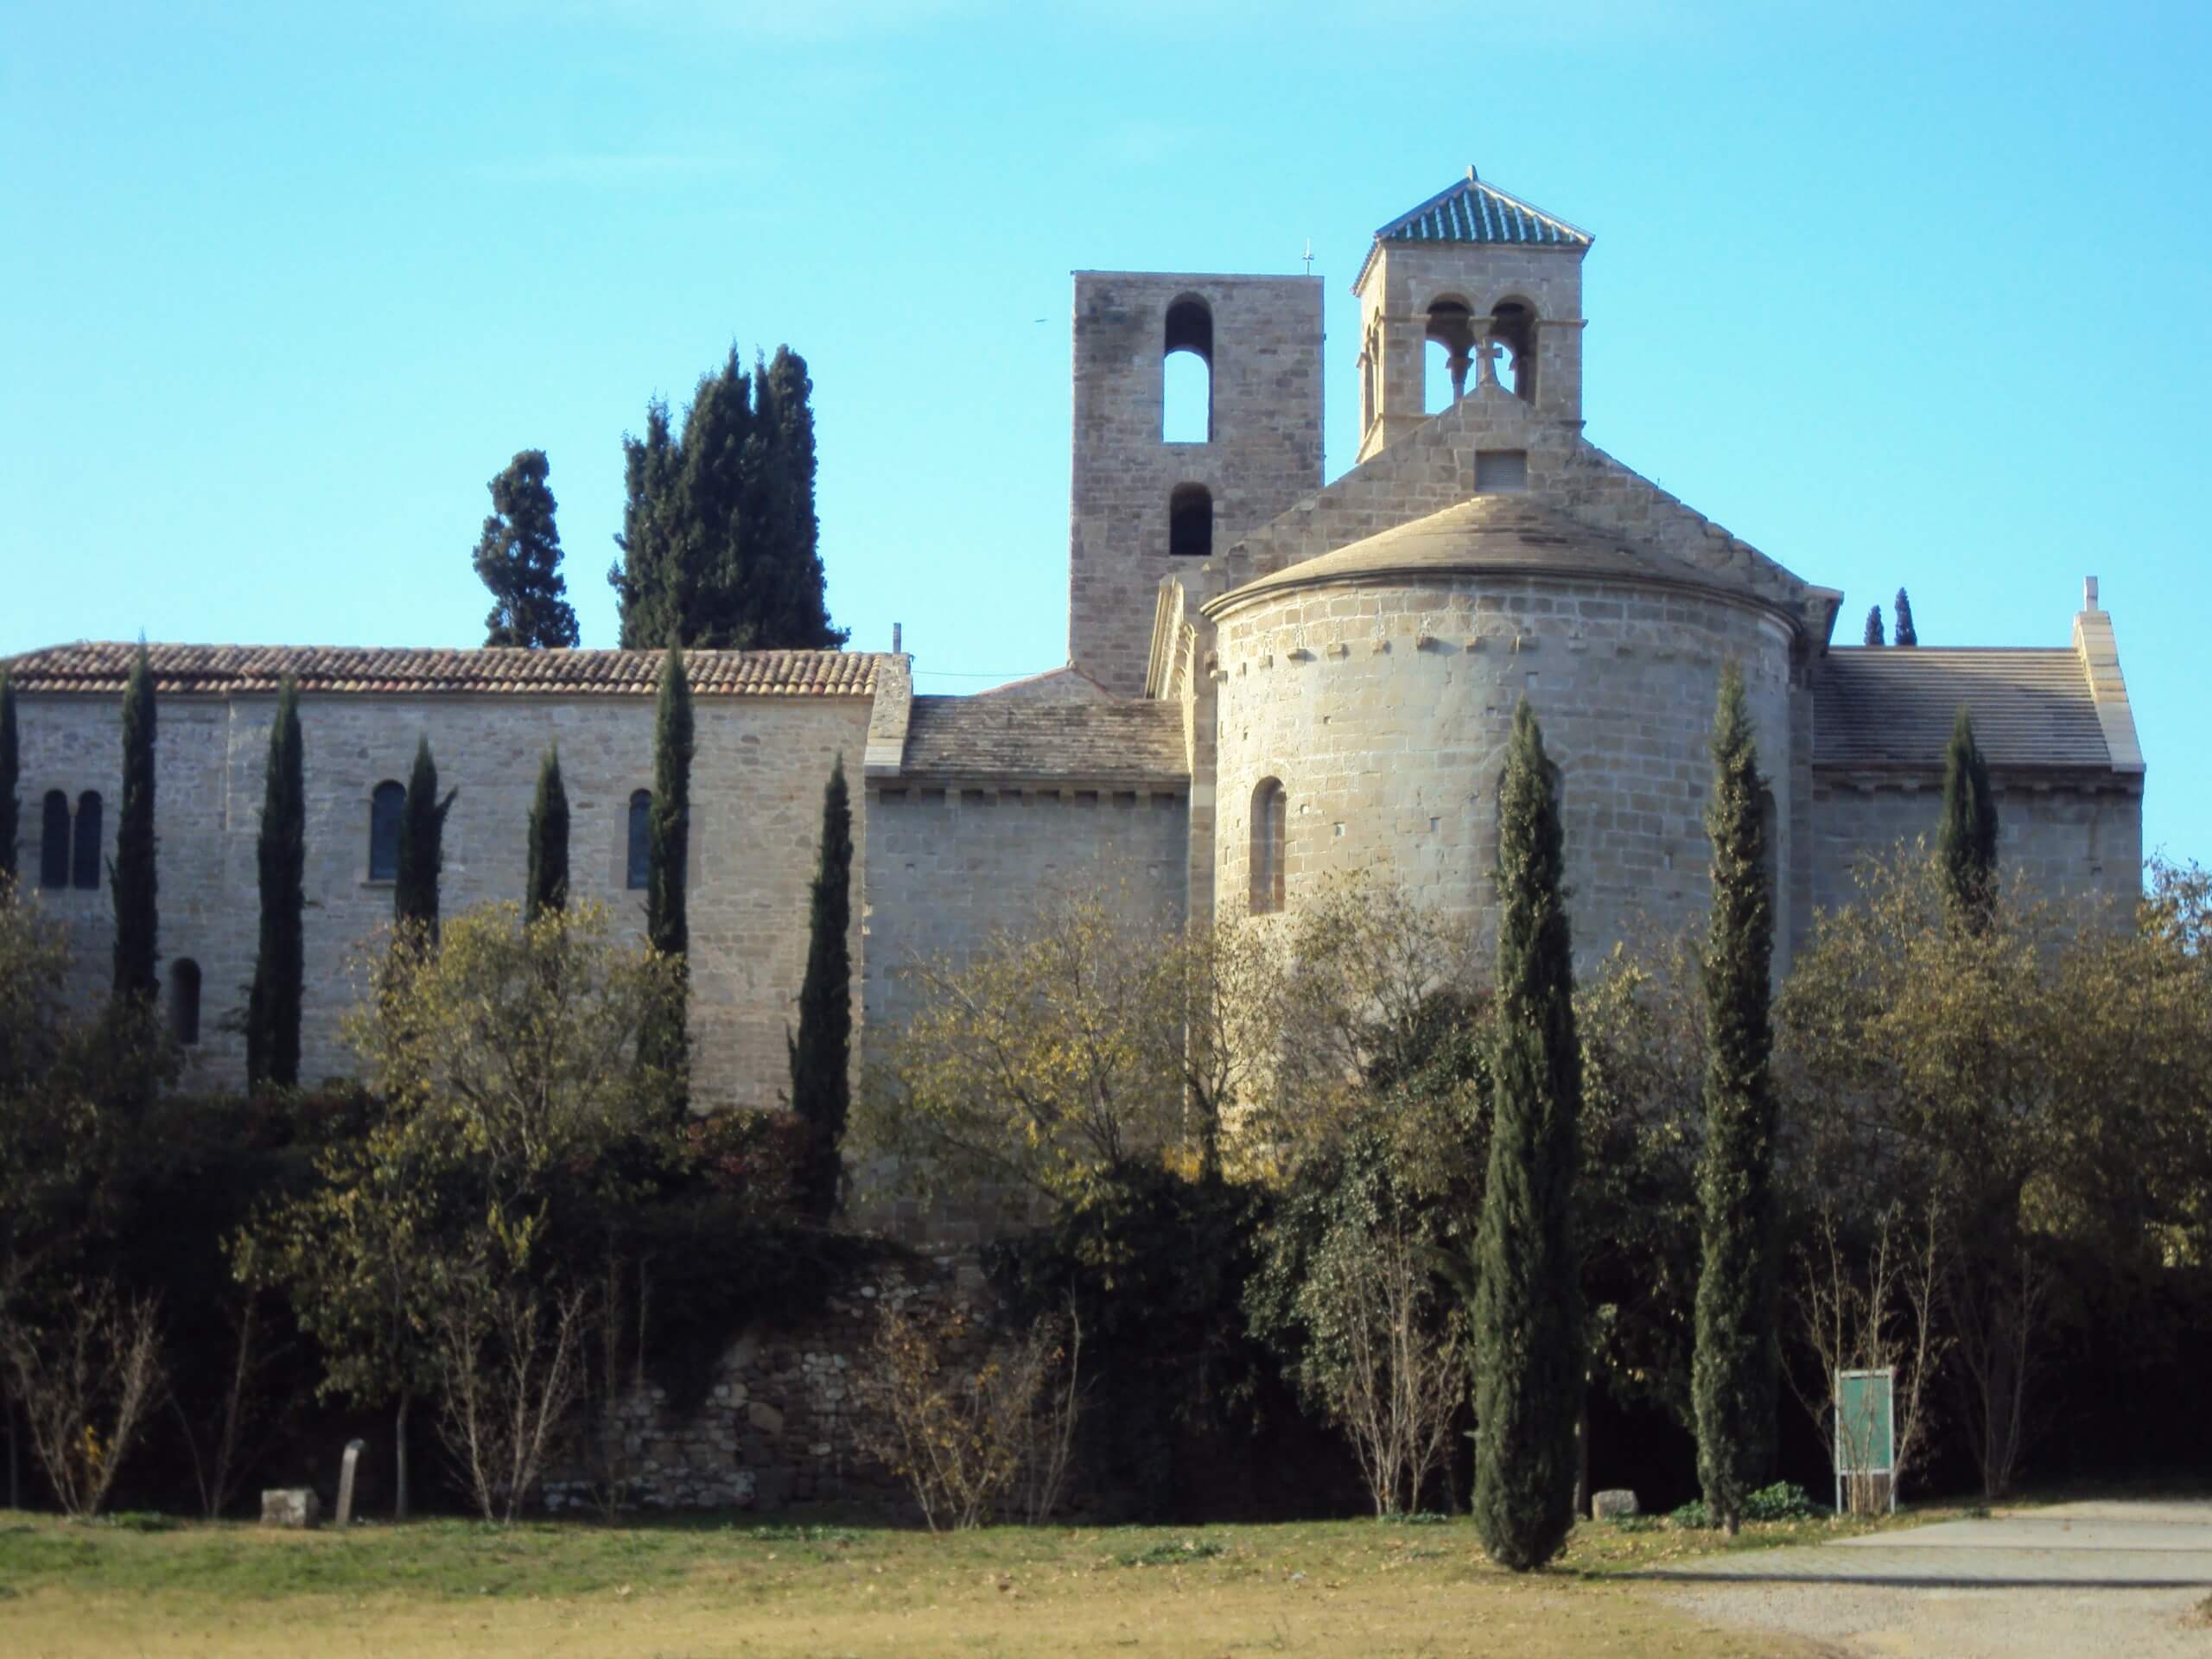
{"points": [[1121, 742], [1507, 534], [1877, 707], [1471, 211], [217, 671]]}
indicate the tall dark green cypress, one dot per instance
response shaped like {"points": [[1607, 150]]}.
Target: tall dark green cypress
{"points": [[1874, 635], [668, 828], [821, 1054], [136, 919], [518, 557], [272, 1023], [1735, 1373], [421, 843], [1906, 634], [1966, 845], [1528, 1306], [719, 543], [547, 883], [10, 768]]}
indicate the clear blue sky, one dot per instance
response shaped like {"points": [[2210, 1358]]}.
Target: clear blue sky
{"points": [[1898, 293]]}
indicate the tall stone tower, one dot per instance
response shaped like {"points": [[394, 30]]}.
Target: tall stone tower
{"points": [[1495, 282], [1143, 503]]}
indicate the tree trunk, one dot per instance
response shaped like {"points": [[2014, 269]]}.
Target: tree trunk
{"points": [[1582, 1457], [400, 1446], [15, 1464]]}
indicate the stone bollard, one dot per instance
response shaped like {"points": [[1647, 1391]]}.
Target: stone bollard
{"points": [[346, 1484], [296, 1507], [1613, 1505]]}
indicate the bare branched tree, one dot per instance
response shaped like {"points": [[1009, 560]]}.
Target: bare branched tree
{"points": [[240, 1420], [1995, 1303], [511, 1364], [88, 1381], [1877, 1314], [1388, 1381]]}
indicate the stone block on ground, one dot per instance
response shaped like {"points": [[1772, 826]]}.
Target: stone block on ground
{"points": [[291, 1506], [1614, 1504]]}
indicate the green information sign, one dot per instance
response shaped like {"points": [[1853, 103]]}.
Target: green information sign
{"points": [[1865, 1432]]}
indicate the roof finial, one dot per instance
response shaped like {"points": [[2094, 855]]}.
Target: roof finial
{"points": [[1472, 177]]}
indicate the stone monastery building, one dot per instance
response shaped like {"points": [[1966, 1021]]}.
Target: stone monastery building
{"points": [[1272, 679]]}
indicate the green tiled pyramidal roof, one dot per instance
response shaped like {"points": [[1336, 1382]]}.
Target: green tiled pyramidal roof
{"points": [[1471, 211]]}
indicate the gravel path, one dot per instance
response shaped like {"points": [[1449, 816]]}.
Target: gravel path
{"points": [[2107, 1578]]}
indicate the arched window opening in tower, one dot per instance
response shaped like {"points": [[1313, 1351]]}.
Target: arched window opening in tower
{"points": [[387, 807], [1271, 837], [184, 1001], [1189, 522], [53, 841], [1447, 356], [1186, 373], [638, 865], [1513, 327], [84, 869], [1367, 386]]}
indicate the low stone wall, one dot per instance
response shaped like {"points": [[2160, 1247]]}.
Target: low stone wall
{"points": [[791, 1411]]}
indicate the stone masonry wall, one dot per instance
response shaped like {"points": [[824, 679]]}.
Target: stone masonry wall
{"points": [[792, 1414], [2061, 841], [1384, 709], [1264, 452], [756, 787]]}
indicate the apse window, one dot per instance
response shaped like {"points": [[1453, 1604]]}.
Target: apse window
{"points": [[1501, 472], [1270, 836], [387, 808]]}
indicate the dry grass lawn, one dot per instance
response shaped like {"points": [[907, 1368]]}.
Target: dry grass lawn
{"points": [[685, 1591]]}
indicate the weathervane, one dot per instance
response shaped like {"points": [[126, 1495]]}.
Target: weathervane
{"points": [[1309, 255]]}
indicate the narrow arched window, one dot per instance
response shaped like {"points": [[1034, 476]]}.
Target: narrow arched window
{"points": [[184, 1001], [1270, 833], [387, 817], [1513, 327], [1448, 353], [641, 840], [85, 867], [1186, 373], [1190, 521], [53, 841]]}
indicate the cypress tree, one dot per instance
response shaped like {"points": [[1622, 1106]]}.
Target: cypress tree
{"points": [[668, 828], [518, 557], [547, 883], [1905, 633], [1734, 1375], [132, 875], [421, 843], [719, 537], [1874, 627], [1966, 845], [272, 1026], [10, 767], [1527, 1315], [821, 1052]]}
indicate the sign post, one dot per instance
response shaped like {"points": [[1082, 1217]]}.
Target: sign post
{"points": [[1865, 1433]]}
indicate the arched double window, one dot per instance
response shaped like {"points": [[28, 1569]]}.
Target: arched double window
{"points": [[1186, 373], [640, 866], [1190, 521], [84, 869], [1270, 842], [53, 841], [184, 1001], [387, 817]]}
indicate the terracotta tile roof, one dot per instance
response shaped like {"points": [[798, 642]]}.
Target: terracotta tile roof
{"points": [[217, 671], [1877, 707], [1120, 741]]}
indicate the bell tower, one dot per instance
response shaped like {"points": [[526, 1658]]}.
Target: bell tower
{"points": [[1493, 281]]}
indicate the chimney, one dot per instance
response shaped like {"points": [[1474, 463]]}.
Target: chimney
{"points": [[896, 630], [2089, 593]]}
